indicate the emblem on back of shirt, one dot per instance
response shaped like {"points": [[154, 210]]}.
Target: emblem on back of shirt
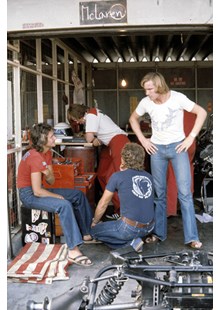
{"points": [[142, 186]]}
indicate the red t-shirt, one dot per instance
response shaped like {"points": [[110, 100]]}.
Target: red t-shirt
{"points": [[32, 161]]}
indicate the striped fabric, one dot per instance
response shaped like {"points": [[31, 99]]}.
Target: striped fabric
{"points": [[39, 263]]}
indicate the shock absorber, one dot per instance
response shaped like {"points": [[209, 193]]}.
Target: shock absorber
{"points": [[109, 291]]}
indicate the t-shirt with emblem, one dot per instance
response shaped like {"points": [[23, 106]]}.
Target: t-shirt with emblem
{"points": [[136, 193], [166, 118]]}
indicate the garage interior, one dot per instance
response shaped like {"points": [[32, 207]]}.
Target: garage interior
{"points": [[102, 59]]}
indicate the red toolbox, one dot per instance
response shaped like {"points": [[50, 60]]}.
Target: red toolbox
{"points": [[65, 171], [69, 173]]}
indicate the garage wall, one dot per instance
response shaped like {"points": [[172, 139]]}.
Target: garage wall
{"points": [[194, 79], [29, 15]]}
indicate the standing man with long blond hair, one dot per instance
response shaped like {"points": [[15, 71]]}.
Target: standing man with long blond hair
{"points": [[169, 143]]}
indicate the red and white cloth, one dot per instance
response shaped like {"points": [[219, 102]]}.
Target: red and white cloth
{"points": [[40, 263]]}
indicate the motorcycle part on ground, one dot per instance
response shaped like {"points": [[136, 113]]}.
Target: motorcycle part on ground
{"points": [[182, 280]]}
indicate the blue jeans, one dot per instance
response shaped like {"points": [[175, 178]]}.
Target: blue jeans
{"points": [[118, 234], [74, 211], [181, 167]]}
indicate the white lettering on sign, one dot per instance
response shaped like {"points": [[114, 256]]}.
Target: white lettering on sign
{"points": [[116, 12]]}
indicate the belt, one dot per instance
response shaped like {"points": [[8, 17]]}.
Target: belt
{"points": [[135, 223]]}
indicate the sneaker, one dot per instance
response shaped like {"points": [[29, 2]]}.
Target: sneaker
{"points": [[114, 216]]}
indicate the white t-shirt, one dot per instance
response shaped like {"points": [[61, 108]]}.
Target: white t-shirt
{"points": [[102, 125], [166, 118]]}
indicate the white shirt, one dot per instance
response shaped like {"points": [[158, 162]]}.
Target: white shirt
{"points": [[166, 118], [103, 126]]}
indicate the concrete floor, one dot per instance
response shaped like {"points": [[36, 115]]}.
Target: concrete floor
{"points": [[19, 294]]}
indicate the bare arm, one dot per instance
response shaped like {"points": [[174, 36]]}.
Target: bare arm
{"points": [[90, 138], [200, 119], [146, 142], [38, 190], [102, 206], [49, 176]]}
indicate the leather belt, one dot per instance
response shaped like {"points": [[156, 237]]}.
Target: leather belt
{"points": [[135, 223]]}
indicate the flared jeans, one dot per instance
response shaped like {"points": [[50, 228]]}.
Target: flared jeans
{"points": [[181, 167], [75, 212]]}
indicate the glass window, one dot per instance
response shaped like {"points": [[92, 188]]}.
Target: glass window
{"points": [[71, 67], [105, 79], [60, 64], [79, 71], [107, 102], [205, 99], [179, 77], [46, 50], [132, 77], [28, 53], [9, 55], [79, 87], [205, 77], [47, 100], [61, 102], [13, 50], [28, 99], [191, 94], [10, 104], [128, 102], [71, 91]]}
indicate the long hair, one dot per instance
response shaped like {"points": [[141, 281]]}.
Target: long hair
{"points": [[76, 111], [133, 155], [158, 81], [39, 136]]}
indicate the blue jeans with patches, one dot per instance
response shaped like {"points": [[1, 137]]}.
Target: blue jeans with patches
{"points": [[181, 167], [118, 234], [74, 211]]}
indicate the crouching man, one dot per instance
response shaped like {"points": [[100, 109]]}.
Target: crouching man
{"points": [[136, 194]]}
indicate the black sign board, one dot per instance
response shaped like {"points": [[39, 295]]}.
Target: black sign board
{"points": [[103, 12]]}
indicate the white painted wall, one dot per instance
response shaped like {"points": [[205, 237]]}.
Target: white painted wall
{"points": [[56, 14]]}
